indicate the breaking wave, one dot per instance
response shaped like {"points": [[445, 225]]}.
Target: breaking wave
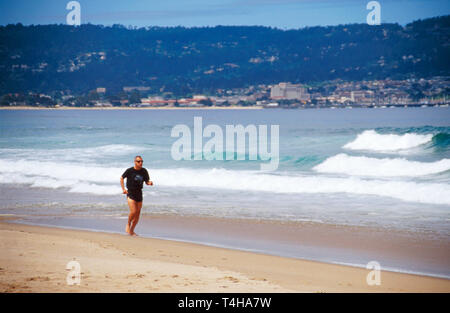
{"points": [[105, 181], [380, 167], [372, 141]]}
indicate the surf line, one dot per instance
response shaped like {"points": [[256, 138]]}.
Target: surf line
{"points": [[234, 144]]}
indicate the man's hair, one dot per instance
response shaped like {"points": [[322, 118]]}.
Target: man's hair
{"points": [[138, 156]]}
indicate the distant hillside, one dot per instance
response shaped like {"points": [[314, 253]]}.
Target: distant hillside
{"points": [[182, 60]]}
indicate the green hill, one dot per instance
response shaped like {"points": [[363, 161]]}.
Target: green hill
{"points": [[45, 58]]}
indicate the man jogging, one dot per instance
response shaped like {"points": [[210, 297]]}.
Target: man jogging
{"points": [[136, 176]]}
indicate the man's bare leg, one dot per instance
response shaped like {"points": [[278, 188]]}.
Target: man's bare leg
{"points": [[133, 209], [136, 218]]}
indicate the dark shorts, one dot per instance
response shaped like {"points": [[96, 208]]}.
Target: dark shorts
{"points": [[135, 195]]}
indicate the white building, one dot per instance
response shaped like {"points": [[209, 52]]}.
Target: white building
{"points": [[199, 97], [289, 91], [138, 88]]}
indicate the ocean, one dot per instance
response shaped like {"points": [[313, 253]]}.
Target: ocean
{"points": [[386, 168]]}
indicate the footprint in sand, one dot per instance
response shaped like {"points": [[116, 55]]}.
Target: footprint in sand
{"points": [[231, 278], [38, 278]]}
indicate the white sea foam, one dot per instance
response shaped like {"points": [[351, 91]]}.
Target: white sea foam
{"points": [[61, 171], [252, 181], [373, 141], [70, 154], [77, 178], [380, 167], [102, 180]]}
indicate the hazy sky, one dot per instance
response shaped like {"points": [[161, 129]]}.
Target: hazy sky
{"points": [[278, 13]]}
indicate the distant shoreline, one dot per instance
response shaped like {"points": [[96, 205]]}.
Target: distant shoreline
{"points": [[216, 107], [130, 108]]}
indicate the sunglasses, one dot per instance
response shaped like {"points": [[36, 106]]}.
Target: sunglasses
{"points": [[140, 161]]}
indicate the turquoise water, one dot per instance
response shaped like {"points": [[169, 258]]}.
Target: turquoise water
{"points": [[378, 167]]}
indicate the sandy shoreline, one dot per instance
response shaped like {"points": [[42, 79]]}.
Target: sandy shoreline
{"points": [[133, 108], [397, 250], [34, 259]]}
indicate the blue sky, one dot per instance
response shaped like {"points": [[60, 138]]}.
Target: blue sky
{"points": [[277, 13]]}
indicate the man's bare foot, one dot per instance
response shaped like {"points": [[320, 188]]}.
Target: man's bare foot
{"points": [[134, 234], [127, 229]]}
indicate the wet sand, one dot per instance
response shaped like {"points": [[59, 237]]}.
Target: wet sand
{"points": [[34, 259], [396, 249]]}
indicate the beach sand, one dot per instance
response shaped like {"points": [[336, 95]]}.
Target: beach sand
{"points": [[34, 259]]}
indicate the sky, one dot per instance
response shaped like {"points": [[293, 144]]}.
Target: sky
{"points": [[284, 14]]}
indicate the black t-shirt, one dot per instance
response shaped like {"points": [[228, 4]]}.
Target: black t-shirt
{"points": [[135, 178]]}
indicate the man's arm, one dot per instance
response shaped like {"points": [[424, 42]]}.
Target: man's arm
{"points": [[123, 186], [148, 181]]}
